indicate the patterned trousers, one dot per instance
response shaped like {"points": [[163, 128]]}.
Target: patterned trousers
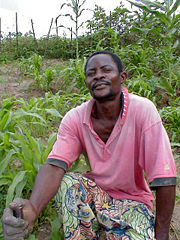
{"points": [[86, 210]]}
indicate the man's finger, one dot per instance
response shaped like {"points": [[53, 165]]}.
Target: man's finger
{"points": [[9, 219], [18, 202], [14, 231], [13, 238]]}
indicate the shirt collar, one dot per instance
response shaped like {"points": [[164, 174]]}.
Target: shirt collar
{"points": [[124, 101]]}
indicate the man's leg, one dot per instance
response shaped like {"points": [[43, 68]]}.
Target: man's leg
{"points": [[126, 219], [75, 202], [81, 203]]}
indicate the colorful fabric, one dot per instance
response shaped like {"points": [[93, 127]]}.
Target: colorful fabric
{"points": [[86, 208], [137, 143]]}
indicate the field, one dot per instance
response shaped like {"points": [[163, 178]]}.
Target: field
{"points": [[39, 85], [21, 88]]}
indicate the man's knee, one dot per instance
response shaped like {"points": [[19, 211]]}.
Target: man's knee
{"points": [[69, 186]]}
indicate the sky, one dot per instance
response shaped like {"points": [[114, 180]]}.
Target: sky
{"points": [[41, 12]]}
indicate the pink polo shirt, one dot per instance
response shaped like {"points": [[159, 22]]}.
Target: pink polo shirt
{"points": [[137, 144]]}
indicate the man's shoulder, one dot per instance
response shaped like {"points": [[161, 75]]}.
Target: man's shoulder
{"points": [[139, 99], [80, 109], [140, 102], [143, 109], [78, 112]]}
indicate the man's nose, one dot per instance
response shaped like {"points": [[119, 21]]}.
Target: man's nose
{"points": [[99, 75]]}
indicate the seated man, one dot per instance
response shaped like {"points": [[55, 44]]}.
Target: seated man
{"points": [[124, 139]]}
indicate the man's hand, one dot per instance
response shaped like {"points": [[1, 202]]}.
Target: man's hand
{"points": [[15, 228], [46, 186]]}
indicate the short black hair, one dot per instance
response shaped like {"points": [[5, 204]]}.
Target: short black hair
{"points": [[115, 58]]}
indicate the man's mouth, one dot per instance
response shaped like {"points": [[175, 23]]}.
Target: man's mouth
{"points": [[99, 85]]}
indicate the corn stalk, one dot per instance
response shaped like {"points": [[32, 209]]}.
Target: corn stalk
{"points": [[77, 7]]}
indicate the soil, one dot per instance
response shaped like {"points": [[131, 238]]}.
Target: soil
{"points": [[14, 83]]}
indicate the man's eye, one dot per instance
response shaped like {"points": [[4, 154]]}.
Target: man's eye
{"points": [[107, 69], [90, 74]]}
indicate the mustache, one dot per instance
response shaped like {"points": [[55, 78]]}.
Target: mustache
{"points": [[95, 84]]}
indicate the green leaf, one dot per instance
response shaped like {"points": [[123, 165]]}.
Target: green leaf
{"points": [[5, 120], [163, 17], [33, 144], [63, 5], [6, 138], [56, 224], [8, 105], [155, 4], [175, 20], [176, 44], [166, 85], [32, 237], [51, 140], [20, 188], [26, 150], [5, 162], [53, 112], [4, 181], [71, 17], [175, 144], [17, 180], [146, 8], [175, 7], [21, 113], [136, 29]]}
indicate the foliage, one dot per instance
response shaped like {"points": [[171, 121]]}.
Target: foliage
{"points": [[77, 7], [33, 67], [58, 47], [141, 87], [171, 117], [22, 151], [43, 80], [56, 224], [164, 13], [73, 75]]}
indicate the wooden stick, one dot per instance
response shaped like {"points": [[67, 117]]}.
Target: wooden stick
{"points": [[17, 44], [34, 36], [71, 34], [56, 27], [50, 28], [110, 20], [46, 46]]}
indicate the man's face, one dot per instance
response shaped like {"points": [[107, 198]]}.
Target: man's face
{"points": [[102, 77]]}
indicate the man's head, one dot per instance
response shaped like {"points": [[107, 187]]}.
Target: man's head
{"points": [[104, 75], [115, 58]]}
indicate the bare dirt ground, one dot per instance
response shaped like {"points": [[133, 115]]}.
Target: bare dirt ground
{"points": [[14, 83]]}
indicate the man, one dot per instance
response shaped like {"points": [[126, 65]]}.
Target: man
{"points": [[124, 138]]}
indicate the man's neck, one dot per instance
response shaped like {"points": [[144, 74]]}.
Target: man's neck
{"points": [[108, 109]]}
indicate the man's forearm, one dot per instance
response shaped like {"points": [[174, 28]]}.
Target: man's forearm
{"points": [[165, 199], [46, 186]]}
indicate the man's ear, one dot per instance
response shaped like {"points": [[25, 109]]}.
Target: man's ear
{"points": [[123, 76]]}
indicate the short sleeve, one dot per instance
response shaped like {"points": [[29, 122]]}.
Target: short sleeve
{"points": [[156, 156], [67, 147]]}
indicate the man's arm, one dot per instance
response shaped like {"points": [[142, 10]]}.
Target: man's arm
{"points": [[46, 185], [165, 199]]}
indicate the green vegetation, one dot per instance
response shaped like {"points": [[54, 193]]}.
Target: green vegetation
{"points": [[147, 40], [77, 7]]}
